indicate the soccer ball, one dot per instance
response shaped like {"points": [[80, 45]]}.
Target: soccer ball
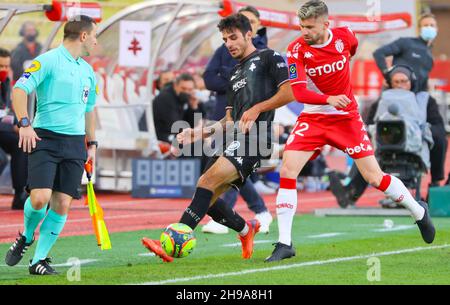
{"points": [[178, 240]]}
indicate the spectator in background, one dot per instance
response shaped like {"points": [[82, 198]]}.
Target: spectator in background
{"points": [[399, 77], [9, 136], [164, 78], [414, 52], [176, 102], [216, 77], [204, 95], [25, 51], [217, 73]]}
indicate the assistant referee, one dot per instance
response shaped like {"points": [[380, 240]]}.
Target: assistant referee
{"points": [[65, 86]]}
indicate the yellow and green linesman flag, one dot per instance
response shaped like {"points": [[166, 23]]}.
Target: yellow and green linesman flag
{"points": [[96, 212]]}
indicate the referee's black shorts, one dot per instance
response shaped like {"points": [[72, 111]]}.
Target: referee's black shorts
{"points": [[57, 163]]}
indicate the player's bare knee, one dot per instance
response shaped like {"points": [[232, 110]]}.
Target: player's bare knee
{"points": [[208, 181], [287, 172], [62, 207], [39, 199]]}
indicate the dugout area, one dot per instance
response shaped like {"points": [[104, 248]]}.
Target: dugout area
{"points": [[183, 36], [330, 250]]}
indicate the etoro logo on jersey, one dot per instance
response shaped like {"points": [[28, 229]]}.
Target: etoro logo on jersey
{"points": [[327, 68]]}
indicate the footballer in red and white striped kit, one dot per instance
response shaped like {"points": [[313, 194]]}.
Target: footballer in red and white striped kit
{"points": [[319, 74]]}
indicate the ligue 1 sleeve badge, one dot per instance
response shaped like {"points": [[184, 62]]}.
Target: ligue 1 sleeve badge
{"points": [[35, 66], [292, 71], [85, 94]]}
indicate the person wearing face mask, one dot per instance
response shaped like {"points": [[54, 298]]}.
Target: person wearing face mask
{"points": [[414, 52], [26, 50], [176, 102], [216, 77], [9, 134], [399, 77]]}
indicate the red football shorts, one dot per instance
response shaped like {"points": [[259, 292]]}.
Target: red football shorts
{"points": [[345, 132]]}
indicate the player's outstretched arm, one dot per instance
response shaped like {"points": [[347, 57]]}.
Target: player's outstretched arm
{"points": [[190, 135], [282, 97]]}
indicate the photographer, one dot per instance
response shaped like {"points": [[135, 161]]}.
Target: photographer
{"points": [[399, 77]]}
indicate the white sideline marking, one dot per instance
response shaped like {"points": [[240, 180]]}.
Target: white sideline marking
{"points": [[333, 234], [137, 214], [395, 228], [146, 254], [82, 262], [298, 265], [264, 241]]}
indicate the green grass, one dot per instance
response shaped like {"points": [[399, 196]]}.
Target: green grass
{"points": [[123, 265]]}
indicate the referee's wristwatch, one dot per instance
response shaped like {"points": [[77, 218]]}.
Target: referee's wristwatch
{"points": [[24, 122], [90, 143]]}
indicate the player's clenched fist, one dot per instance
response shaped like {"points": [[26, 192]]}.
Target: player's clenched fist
{"points": [[339, 101]]}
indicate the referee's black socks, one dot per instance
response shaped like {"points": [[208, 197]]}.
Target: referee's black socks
{"points": [[198, 208]]}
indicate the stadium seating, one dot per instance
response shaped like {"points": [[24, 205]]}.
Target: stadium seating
{"points": [[121, 102]]}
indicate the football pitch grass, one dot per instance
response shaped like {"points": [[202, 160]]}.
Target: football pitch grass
{"points": [[331, 250]]}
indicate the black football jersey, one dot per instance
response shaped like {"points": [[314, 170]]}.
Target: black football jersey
{"points": [[254, 80]]}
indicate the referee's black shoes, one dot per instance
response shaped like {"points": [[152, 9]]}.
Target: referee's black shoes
{"points": [[17, 250], [42, 267]]}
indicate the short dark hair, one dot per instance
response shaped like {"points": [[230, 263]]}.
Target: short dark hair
{"points": [[235, 21], [250, 9], [312, 9], [184, 77], [4, 53], [76, 25]]}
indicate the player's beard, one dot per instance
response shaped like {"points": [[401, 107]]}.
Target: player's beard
{"points": [[314, 39], [239, 55]]}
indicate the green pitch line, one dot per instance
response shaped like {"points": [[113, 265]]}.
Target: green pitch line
{"points": [[332, 250]]}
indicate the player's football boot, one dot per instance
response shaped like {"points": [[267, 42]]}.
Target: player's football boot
{"points": [[42, 267], [17, 250], [280, 252], [339, 191], [247, 240], [425, 225], [155, 247]]}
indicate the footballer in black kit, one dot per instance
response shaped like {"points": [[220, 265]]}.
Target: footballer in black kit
{"points": [[255, 79], [260, 78]]}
